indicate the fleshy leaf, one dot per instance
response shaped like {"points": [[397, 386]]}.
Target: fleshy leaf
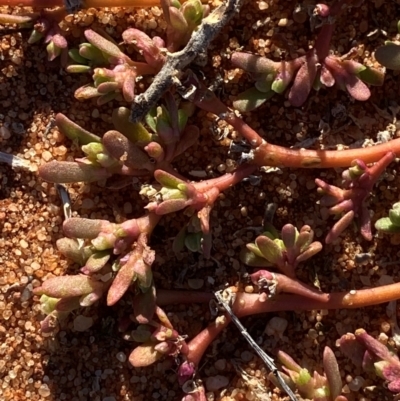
{"points": [[144, 355], [372, 76], [270, 249], [171, 206], [122, 149], [167, 179], [70, 248], [78, 69], [135, 132], [86, 92], [357, 88], [250, 259], [193, 242], [288, 361], [303, 82], [68, 172], [389, 56], [104, 45], [96, 262], [68, 286], [332, 372], [122, 280], [254, 64], [77, 227], [251, 99], [74, 131]]}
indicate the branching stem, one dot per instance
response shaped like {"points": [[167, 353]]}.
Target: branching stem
{"points": [[266, 154], [251, 304], [176, 62]]}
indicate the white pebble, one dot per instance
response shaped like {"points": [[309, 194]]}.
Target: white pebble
{"points": [[121, 357], [276, 327]]}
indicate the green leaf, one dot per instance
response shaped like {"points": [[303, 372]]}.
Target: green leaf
{"points": [[97, 261], [78, 69], [394, 216], [386, 226], [193, 242], [135, 132], [389, 56], [264, 83], [250, 259], [104, 45], [70, 248], [151, 119], [182, 119], [192, 10], [89, 52], [86, 92], [271, 250], [251, 99], [372, 76], [167, 179], [303, 378], [74, 54]]}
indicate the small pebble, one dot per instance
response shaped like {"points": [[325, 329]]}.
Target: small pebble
{"points": [[220, 364], [246, 356], [82, 323], [276, 327], [214, 383]]}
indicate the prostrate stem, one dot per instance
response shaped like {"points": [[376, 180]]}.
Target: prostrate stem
{"points": [[176, 62], [266, 154], [250, 304]]}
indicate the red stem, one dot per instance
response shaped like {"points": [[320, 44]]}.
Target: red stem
{"points": [[265, 154], [272, 155], [250, 304], [207, 101], [323, 41], [227, 180]]}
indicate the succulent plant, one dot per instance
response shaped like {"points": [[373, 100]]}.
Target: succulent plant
{"points": [[316, 69], [192, 236], [389, 54], [114, 73], [285, 250], [358, 182], [45, 26], [131, 150], [373, 356], [157, 340], [182, 19], [390, 224], [313, 386]]}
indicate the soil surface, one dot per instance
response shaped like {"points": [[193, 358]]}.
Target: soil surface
{"points": [[93, 365]]}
